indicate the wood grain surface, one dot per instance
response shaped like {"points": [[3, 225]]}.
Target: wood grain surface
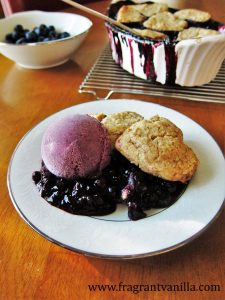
{"points": [[34, 268]]}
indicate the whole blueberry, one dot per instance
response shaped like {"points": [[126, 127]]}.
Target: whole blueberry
{"points": [[135, 212], [64, 35], [51, 28], [41, 38], [21, 41], [43, 30], [9, 38], [42, 26], [15, 36], [18, 28], [37, 31], [36, 176], [52, 34], [31, 36]]}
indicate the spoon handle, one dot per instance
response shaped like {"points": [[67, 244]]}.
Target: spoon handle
{"points": [[99, 15]]}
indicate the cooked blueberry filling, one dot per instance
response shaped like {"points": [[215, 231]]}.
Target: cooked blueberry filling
{"points": [[120, 182]]}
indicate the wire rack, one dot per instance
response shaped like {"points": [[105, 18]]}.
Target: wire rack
{"points": [[106, 75]]}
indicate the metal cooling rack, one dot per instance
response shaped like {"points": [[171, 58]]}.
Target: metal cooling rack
{"points": [[106, 75]]}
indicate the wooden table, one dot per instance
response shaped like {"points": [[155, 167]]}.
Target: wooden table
{"points": [[34, 268]]}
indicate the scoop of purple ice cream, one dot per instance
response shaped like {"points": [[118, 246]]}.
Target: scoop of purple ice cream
{"points": [[76, 146]]}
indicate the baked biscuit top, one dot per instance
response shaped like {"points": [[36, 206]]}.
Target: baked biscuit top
{"points": [[128, 14], [165, 21], [195, 33], [156, 146], [118, 122], [152, 34], [150, 9], [146, 15], [193, 15]]}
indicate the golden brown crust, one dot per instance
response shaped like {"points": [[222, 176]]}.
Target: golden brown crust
{"points": [[156, 146], [150, 9], [128, 14], [195, 33], [165, 21], [156, 35], [193, 15], [118, 122]]}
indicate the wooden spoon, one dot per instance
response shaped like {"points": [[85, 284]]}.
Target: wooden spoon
{"points": [[99, 15]]}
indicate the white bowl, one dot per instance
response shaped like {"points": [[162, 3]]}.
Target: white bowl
{"points": [[44, 54]]}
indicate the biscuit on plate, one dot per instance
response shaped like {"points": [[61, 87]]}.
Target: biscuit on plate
{"points": [[156, 146], [118, 122]]}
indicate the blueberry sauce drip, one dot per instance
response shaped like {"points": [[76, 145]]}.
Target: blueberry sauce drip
{"points": [[171, 63], [147, 51], [131, 54], [118, 48], [120, 182]]}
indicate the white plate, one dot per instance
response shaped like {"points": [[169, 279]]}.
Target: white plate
{"points": [[110, 238]]}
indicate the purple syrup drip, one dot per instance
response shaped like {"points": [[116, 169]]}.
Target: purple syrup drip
{"points": [[118, 48], [131, 54], [114, 39], [171, 63], [147, 51]]}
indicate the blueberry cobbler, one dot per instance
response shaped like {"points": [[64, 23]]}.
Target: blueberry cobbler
{"points": [[91, 164], [163, 36]]}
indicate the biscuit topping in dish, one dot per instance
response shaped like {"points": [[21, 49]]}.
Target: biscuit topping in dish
{"points": [[117, 123], [128, 14], [165, 21], [150, 9], [193, 15], [156, 146], [152, 34], [195, 33]]}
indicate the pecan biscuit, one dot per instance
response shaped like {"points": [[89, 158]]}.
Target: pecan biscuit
{"points": [[195, 33], [128, 14], [156, 146], [193, 15], [151, 9], [165, 21], [156, 35], [118, 122]]}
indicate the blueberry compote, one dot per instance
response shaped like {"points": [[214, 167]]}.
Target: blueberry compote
{"points": [[120, 182]]}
